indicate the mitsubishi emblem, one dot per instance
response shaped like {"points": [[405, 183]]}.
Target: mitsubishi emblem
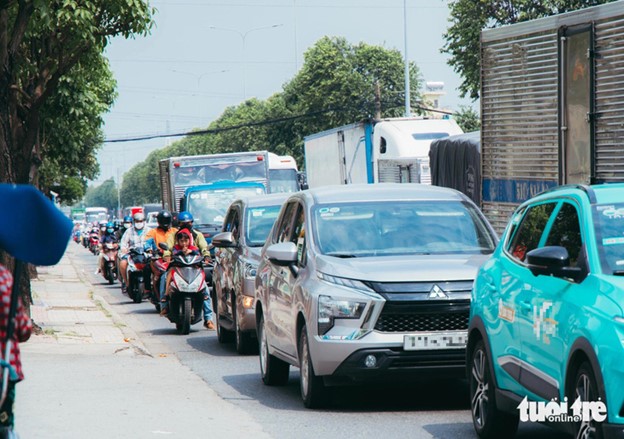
{"points": [[437, 293]]}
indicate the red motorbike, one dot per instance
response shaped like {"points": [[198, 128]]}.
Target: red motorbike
{"points": [[94, 241], [109, 258]]}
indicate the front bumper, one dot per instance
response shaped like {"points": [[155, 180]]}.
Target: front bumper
{"points": [[396, 364]]}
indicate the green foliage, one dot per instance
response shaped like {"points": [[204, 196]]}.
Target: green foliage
{"points": [[55, 83], [336, 86], [467, 119], [469, 17], [71, 121], [104, 195]]}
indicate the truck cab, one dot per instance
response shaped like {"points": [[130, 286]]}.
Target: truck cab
{"points": [[208, 203], [401, 148]]}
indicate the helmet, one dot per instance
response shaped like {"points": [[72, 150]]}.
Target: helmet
{"points": [[185, 217], [164, 219], [127, 219], [138, 217], [110, 228]]}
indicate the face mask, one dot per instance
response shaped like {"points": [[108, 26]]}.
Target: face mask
{"points": [[187, 226], [109, 230], [139, 226], [127, 225]]}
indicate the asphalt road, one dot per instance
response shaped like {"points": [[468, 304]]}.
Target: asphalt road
{"points": [[431, 409]]}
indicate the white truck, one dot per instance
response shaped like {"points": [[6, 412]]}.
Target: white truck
{"points": [[389, 150], [551, 106]]}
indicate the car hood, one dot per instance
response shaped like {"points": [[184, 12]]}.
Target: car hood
{"points": [[404, 268]]}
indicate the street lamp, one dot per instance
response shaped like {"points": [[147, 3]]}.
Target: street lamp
{"points": [[243, 36], [200, 76], [408, 110]]}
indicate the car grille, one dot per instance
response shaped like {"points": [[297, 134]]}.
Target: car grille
{"points": [[389, 322], [410, 308]]}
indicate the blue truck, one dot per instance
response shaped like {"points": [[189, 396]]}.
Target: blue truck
{"points": [[206, 185]]}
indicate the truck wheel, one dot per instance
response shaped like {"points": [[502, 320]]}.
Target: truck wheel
{"points": [[489, 422], [273, 370], [313, 390]]}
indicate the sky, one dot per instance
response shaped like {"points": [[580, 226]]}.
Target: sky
{"points": [[203, 56]]}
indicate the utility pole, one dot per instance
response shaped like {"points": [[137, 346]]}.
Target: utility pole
{"points": [[408, 110]]}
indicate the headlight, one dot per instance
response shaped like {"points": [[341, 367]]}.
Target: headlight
{"points": [[330, 309], [344, 282], [248, 302]]}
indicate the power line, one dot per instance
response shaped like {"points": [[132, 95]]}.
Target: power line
{"points": [[248, 125]]}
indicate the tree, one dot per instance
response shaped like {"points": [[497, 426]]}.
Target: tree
{"points": [[44, 44], [467, 119], [71, 129], [104, 195], [41, 41], [337, 85], [469, 17]]}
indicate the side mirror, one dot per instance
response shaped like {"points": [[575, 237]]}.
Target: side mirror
{"points": [[223, 240], [553, 261], [163, 246], [284, 253]]}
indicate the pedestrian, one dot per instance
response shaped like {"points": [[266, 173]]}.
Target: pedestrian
{"points": [[39, 238], [21, 333]]}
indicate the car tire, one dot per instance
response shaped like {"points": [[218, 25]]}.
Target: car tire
{"points": [[489, 422], [223, 335], [244, 343], [585, 387], [313, 390], [273, 370]]}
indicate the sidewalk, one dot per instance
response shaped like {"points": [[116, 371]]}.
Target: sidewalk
{"points": [[89, 375]]}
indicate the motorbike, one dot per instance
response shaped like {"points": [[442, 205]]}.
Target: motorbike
{"points": [[161, 265], [94, 242], [137, 273], [186, 291], [109, 255], [76, 236]]}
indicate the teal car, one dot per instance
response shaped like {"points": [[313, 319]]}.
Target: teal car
{"points": [[547, 318]]}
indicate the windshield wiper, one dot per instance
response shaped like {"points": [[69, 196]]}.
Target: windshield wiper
{"points": [[341, 255], [618, 272]]}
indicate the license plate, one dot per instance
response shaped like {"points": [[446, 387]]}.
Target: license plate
{"points": [[435, 340]]}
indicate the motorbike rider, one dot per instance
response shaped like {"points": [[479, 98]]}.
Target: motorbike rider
{"points": [[183, 245], [108, 238], [185, 221], [133, 237], [159, 235], [127, 223]]}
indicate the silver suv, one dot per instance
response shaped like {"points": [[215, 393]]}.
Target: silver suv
{"points": [[247, 223], [368, 282]]}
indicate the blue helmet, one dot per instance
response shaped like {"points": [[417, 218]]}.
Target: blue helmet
{"points": [[127, 219], [184, 217]]}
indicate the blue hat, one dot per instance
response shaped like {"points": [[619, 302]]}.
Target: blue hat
{"points": [[36, 231]]}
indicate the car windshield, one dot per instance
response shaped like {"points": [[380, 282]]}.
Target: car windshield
{"points": [[609, 223], [259, 222], [398, 228], [283, 180], [208, 207]]}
